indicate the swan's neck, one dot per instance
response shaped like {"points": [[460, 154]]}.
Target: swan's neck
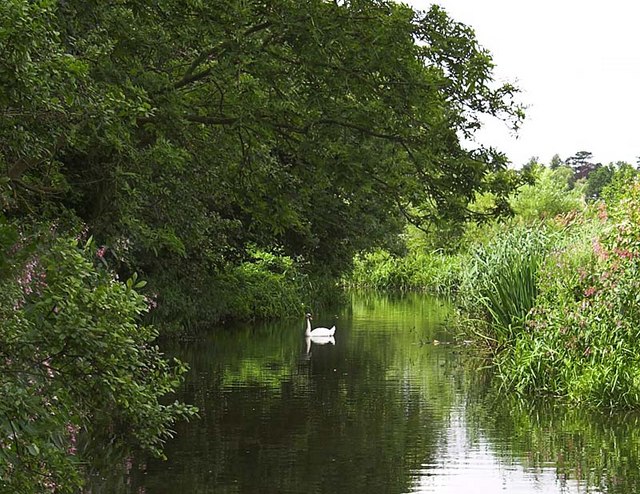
{"points": [[308, 331]]}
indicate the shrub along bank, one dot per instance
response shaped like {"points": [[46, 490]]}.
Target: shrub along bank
{"points": [[265, 286], [580, 339], [75, 362]]}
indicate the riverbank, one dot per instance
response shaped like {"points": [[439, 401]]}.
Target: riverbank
{"points": [[265, 286], [555, 301]]}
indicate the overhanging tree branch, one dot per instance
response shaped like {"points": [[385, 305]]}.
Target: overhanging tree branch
{"points": [[212, 120], [191, 75]]}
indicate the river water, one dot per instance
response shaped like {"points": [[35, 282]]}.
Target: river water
{"points": [[395, 405]]}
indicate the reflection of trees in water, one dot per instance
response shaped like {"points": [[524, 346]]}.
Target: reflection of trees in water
{"points": [[600, 451], [363, 415], [354, 417]]}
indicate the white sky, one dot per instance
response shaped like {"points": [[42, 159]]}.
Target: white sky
{"points": [[578, 65]]}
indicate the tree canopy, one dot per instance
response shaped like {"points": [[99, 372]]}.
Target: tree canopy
{"points": [[190, 130]]}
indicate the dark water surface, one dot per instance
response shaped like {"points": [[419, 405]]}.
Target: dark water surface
{"points": [[386, 409]]}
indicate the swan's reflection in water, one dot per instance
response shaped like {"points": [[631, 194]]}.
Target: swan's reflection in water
{"points": [[318, 340]]}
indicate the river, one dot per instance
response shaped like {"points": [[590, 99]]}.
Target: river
{"points": [[395, 405]]}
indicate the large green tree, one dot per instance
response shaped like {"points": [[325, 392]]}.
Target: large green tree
{"points": [[183, 132]]}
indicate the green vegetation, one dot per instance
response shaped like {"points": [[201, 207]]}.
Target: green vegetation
{"points": [[582, 334], [229, 160], [233, 155], [74, 361], [499, 281], [551, 293], [380, 270], [548, 197], [264, 286], [214, 130]]}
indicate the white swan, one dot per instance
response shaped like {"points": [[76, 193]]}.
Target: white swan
{"points": [[318, 332]]}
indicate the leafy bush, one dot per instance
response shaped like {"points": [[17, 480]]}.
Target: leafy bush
{"points": [[624, 177], [427, 271], [268, 286], [74, 360], [265, 286], [378, 270]]}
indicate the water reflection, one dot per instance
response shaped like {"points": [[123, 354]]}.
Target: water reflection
{"points": [[318, 340], [382, 409]]}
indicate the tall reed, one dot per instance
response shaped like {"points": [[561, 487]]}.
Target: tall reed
{"points": [[500, 285]]}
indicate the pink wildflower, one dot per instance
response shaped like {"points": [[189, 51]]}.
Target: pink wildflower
{"points": [[599, 250], [27, 276], [590, 291], [50, 485], [625, 253], [82, 235], [73, 438], [15, 247], [100, 252]]}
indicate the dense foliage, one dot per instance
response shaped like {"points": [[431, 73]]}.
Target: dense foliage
{"points": [[576, 338], [233, 155], [74, 361], [500, 280], [417, 270], [186, 134]]}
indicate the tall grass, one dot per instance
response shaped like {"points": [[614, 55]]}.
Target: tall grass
{"points": [[500, 283], [580, 340]]}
